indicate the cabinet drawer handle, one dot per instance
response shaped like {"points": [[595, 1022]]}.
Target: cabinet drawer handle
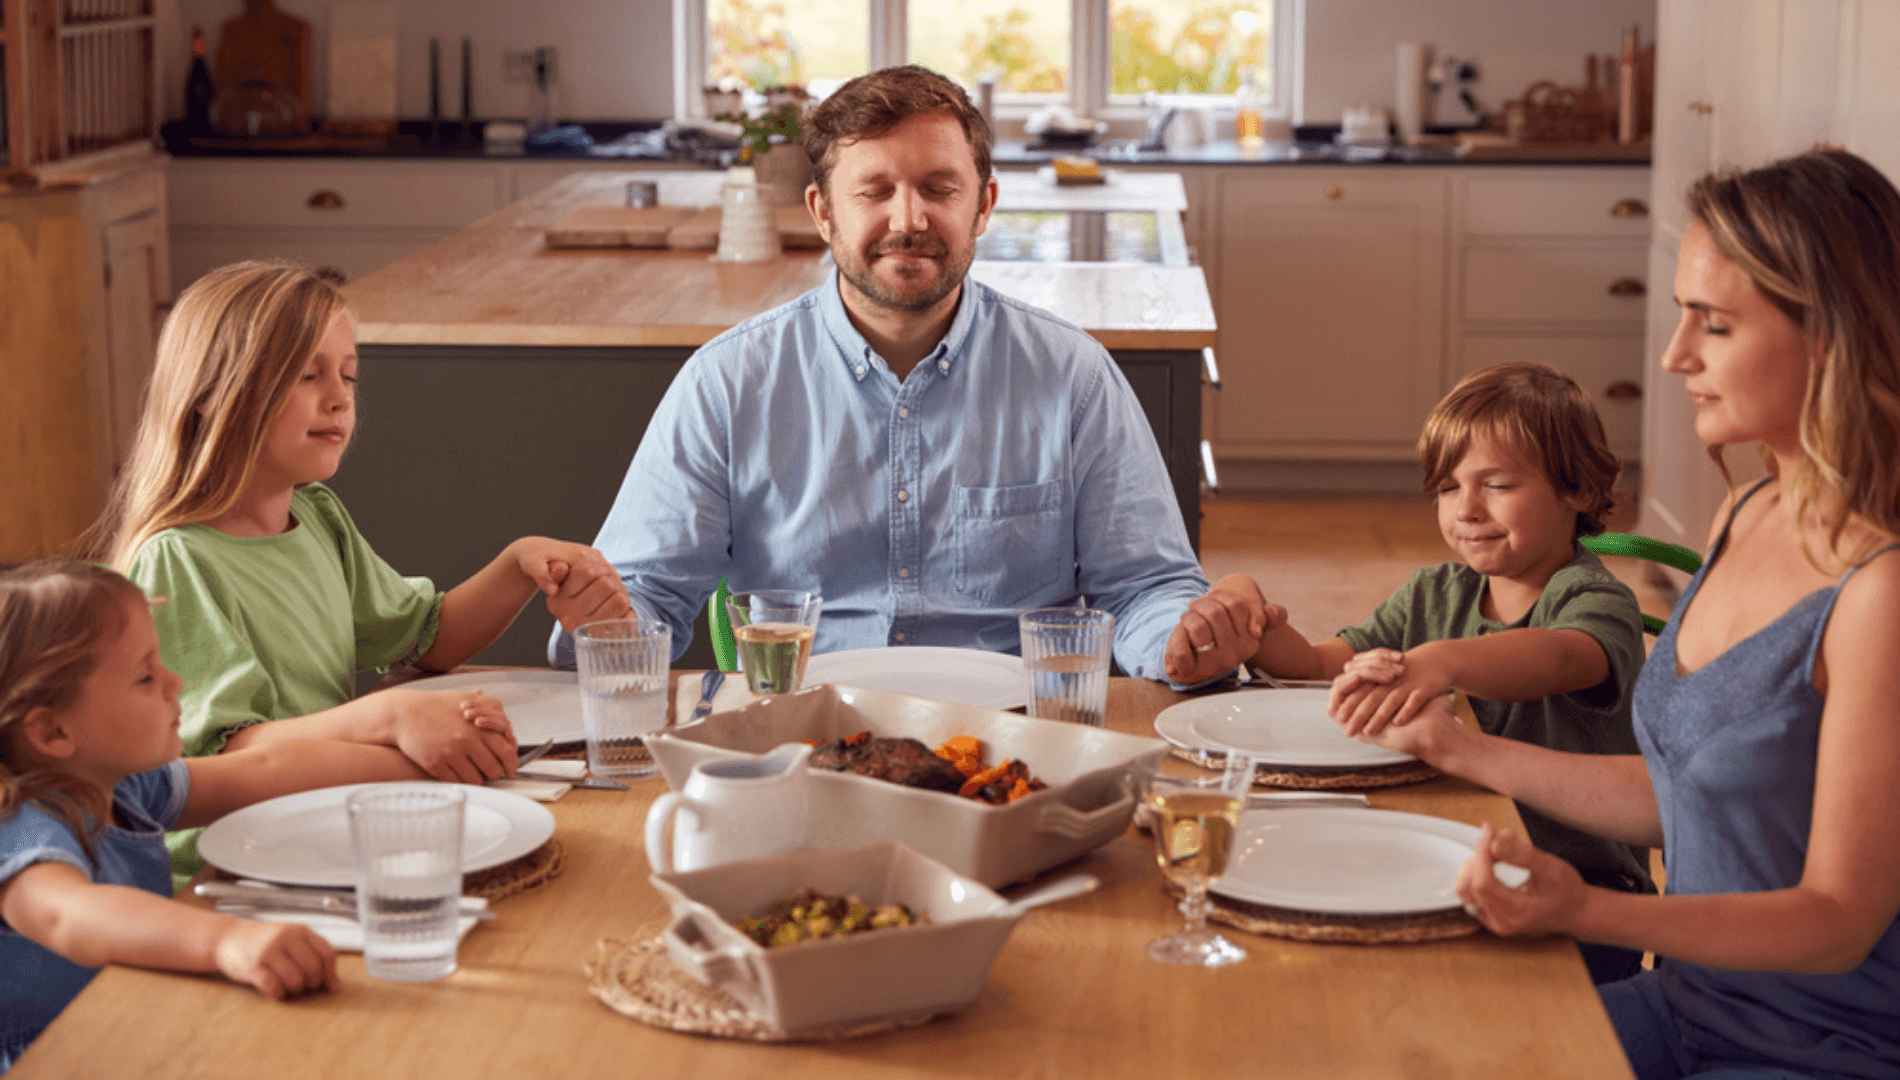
{"points": [[1622, 390], [1701, 108], [1334, 191], [1210, 371], [1627, 286], [1210, 479], [325, 200], [1629, 208]]}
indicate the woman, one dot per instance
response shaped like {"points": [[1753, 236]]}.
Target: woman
{"points": [[1768, 712]]}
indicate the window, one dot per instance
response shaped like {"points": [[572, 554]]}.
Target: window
{"points": [[1099, 56]]}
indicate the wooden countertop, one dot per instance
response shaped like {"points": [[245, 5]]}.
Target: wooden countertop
{"points": [[1073, 992], [495, 283]]}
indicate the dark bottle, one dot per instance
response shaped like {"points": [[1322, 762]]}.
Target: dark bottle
{"points": [[198, 87]]}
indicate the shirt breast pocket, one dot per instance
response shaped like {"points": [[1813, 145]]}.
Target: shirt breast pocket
{"points": [[1012, 542]]}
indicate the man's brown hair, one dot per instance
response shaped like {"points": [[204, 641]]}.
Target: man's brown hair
{"points": [[870, 105], [1540, 412]]}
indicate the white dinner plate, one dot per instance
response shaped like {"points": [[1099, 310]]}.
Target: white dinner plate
{"points": [[1348, 862], [541, 705], [304, 839], [1278, 727], [959, 676]]}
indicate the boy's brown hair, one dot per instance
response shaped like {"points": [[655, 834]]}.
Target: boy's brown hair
{"points": [[870, 105], [1544, 415]]}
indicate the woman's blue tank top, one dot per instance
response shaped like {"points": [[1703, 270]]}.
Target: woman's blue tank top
{"points": [[1731, 749]]}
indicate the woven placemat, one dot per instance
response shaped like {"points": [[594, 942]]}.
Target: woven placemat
{"points": [[1396, 774], [639, 979], [526, 874], [1406, 929]]}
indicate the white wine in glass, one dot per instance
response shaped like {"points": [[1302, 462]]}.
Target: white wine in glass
{"points": [[774, 655], [1194, 825]]}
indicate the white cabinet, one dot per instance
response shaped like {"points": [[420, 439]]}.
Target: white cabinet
{"points": [[1549, 265], [1331, 303], [1740, 83]]}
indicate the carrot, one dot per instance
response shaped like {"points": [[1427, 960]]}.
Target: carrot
{"points": [[1021, 789], [986, 776], [962, 746]]}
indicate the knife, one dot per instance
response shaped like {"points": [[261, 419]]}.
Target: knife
{"points": [[302, 899], [709, 685], [532, 753], [574, 781]]}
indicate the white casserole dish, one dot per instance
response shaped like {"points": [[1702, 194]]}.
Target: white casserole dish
{"points": [[934, 967], [1085, 805]]}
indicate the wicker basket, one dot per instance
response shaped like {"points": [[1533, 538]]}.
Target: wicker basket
{"points": [[1548, 113]]}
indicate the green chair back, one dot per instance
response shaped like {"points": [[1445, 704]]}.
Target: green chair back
{"points": [[719, 622], [1632, 546]]}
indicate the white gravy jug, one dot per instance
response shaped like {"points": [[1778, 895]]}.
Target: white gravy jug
{"points": [[734, 808]]}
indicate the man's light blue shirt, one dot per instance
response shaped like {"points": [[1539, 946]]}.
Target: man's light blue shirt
{"points": [[1013, 469]]}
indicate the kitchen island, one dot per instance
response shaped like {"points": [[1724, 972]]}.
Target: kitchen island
{"points": [[506, 385]]}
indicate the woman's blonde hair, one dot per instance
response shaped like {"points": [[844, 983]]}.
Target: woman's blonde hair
{"points": [[235, 343], [1819, 236], [1540, 412], [54, 619]]}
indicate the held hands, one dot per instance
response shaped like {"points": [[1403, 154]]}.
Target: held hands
{"points": [[454, 736], [279, 959], [1548, 903], [1220, 630], [581, 586], [1383, 686]]}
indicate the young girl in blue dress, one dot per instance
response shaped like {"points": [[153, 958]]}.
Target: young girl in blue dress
{"points": [[274, 600], [1766, 713], [90, 779]]}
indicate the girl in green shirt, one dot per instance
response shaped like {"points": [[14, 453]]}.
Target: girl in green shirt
{"points": [[273, 600]]}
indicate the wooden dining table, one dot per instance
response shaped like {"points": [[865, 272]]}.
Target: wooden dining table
{"points": [[1072, 994]]}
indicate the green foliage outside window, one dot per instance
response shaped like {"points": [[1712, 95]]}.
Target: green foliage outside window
{"points": [[752, 45], [1205, 56], [1002, 47]]}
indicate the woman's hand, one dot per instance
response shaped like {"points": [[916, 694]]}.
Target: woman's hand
{"points": [[457, 736], [1380, 687], [1548, 903], [581, 586], [279, 959], [1433, 734]]}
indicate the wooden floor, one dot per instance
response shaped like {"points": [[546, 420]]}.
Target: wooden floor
{"points": [[1330, 561]]}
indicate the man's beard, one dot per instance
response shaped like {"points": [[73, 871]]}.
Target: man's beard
{"points": [[857, 270]]}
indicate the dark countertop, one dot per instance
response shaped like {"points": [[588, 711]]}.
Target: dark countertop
{"points": [[639, 141]]}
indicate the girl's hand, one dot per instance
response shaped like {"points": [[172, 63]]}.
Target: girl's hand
{"points": [[1546, 904], [581, 586], [1220, 630], [434, 729], [279, 959]]}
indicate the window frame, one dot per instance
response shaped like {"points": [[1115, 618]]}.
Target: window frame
{"points": [[1089, 62]]}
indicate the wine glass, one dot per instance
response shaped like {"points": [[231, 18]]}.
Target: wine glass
{"points": [[1194, 822]]}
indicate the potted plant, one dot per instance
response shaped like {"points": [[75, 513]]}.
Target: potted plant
{"points": [[769, 142]]}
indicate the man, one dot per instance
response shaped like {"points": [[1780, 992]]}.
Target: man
{"points": [[931, 457]]}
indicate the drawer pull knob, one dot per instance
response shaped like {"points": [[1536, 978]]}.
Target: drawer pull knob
{"points": [[1334, 191], [1629, 208], [333, 275], [1701, 108], [1623, 390], [325, 200], [1627, 286]]}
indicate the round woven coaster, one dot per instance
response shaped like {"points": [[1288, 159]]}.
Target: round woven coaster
{"points": [[530, 872], [639, 979], [1397, 774], [1406, 929]]}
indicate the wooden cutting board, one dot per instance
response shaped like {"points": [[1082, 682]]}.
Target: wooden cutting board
{"points": [[617, 226], [796, 230]]}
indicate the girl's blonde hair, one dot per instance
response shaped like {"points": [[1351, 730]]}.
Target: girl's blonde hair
{"points": [[54, 619], [235, 343], [1819, 235], [1545, 416]]}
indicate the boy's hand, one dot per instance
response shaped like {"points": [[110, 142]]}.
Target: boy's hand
{"points": [[581, 586], [1433, 736], [279, 959], [1220, 630], [1378, 691], [1546, 904], [434, 729]]}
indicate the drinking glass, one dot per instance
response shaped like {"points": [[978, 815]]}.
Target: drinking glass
{"points": [[1065, 655], [774, 629], [623, 692], [1194, 822], [407, 841]]}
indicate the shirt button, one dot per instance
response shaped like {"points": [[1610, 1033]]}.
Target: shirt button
{"points": [[904, 573], [943, 365], [899, 635], [903, 414], [859, 370], [903, 496]]}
